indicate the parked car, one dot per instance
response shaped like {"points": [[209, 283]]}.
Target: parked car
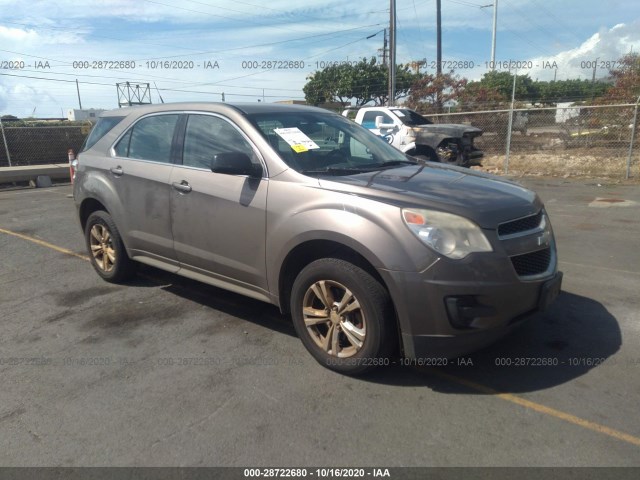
{"points": [[419, 137], [367, 249]]}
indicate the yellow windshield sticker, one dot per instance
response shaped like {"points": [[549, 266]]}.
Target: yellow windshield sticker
{"points": [[300, 148]]}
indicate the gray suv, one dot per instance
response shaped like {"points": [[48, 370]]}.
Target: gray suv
{"points": [[368, 250]]}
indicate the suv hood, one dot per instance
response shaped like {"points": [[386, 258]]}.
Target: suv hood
{"points": [[483, 198], [449, 129]]}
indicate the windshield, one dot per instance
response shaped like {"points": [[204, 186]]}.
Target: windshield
{"points": [[324, 143], [411, 118]]}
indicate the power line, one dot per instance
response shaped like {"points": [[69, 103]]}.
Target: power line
{"points": [[268, 44], [467, 4], [111, 85]]}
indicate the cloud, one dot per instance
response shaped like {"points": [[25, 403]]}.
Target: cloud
{"points": [[28, 37], [606, 46], [66, 31]]}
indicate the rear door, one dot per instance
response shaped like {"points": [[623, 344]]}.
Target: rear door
{"points": [[219, 220], [140, 171]]}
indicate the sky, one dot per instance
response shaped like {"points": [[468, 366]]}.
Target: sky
{"points": [[196, 50]]}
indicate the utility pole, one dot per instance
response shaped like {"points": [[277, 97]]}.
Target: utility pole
{"points": [[438, 38], [593, 80], [384, 48], [78, 89], [510, 126], [493, 34], [392, 53], [438, 53], [382, 52]]}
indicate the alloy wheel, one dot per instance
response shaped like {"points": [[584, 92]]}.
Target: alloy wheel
{"points": [[334, 318], [102, 247]]}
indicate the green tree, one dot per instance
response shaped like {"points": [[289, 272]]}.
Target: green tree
{"points": [[496, 87], [368, 81], [570, 90], [329, 84], [365, 81]]}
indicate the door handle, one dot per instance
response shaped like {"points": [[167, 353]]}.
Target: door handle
{"points": [[117, 171], [182, 187]]}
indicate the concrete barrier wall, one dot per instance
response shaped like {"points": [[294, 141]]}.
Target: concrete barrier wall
{"points": [[30, 172]]}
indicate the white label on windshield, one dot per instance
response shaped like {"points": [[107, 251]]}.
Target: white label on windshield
{"points": [[298, 140], [398, 113]]}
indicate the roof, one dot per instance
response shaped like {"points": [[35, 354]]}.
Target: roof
{"points": [[246, 108]]}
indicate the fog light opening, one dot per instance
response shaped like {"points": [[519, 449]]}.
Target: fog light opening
{"points": [[465, 309]]}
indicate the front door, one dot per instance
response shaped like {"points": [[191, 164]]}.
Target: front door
{"points": [[218, 220]]}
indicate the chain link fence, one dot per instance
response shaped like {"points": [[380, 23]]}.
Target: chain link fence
{"points": [[39, 144], [595, 140]]}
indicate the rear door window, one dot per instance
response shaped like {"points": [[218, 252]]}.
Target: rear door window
{"points": [[149, 139]]}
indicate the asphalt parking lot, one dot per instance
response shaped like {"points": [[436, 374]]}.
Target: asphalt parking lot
{"points": [[166, 371]]}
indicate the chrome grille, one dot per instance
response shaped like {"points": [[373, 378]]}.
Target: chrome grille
{"points": [[533, 263], [520, 225]]}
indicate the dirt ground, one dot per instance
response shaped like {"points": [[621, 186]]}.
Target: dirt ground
{"points": [[565, 164]]}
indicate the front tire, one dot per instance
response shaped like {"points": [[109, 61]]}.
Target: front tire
{"points": [[343, 316], [107, 253]]}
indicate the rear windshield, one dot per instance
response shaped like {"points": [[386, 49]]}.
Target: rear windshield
{"points": [[102, 127]]}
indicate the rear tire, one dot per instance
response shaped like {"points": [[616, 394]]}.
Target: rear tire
{"points": [[343, 316], [107, 253]]}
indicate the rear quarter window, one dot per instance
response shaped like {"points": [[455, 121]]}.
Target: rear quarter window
{"points": [[101, 128]]}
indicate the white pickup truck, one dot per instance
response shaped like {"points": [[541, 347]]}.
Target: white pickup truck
{"points": [[414, 135]]}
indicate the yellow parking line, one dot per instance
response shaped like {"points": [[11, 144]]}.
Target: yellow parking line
{"points": [[42, 243], [567, 417]]}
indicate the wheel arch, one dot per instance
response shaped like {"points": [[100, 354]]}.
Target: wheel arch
{"points": [[310, 250], [87, 207], [425, 150]]}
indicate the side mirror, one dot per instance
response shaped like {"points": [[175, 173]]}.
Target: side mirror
{"points": [[380, 123], [235, 163]]}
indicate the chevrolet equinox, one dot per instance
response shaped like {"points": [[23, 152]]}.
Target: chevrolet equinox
{"points": [[367, 249]]}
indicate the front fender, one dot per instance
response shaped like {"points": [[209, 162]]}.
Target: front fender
{"points": [[302, 213], [431, 139], [370, 238]]}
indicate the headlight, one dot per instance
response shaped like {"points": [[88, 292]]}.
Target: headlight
{"points": [[450, 235]]}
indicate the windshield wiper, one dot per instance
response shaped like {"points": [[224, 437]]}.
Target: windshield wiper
{"points": [[336, 171], [370, 167], [395, 163]]}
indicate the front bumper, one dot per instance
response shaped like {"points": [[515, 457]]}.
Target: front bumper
{"points": [[434, 323], [473, 157]]}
